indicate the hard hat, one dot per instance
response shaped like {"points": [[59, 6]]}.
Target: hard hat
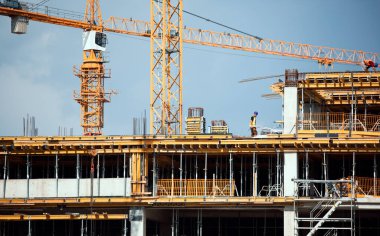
{"points": [[256, 113]]}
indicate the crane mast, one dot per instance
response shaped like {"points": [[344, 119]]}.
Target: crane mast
{"points": [[92, 72], [166, 67]]}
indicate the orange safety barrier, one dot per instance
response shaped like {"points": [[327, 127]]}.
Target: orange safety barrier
{"points": [[195, 187], [364, 186], [367, 186]]}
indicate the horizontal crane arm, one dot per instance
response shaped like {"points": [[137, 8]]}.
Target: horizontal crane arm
{"points": [[324, 55]]}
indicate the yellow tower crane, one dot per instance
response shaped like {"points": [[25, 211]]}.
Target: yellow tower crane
{"points": [[167, 35], [166, 66], [92, 72]]}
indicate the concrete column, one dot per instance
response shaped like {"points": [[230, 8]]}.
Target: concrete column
{"points": [[137, 219], [289, 221], [290, 110], [290, 127], [290, 172]]}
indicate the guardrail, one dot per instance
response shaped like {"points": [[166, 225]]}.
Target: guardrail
{"points": [[340, 121], [195, 187]]}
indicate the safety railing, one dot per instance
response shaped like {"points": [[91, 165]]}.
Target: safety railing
{"points": [[339, 121], [195, 187], [367, 186], [55, 12], [364, 186], [323, 188]]}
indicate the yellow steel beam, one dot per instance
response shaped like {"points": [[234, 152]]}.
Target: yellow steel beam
{"points": [[188, 201], [340, 80], [23, 217], [187, 145]]}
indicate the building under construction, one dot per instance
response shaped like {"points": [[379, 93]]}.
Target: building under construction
{"points": [[316, 177]]}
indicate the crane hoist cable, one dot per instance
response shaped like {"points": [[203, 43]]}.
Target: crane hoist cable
{"points": [[223, 25], [220, 24], [261, 78], [39, 4]]}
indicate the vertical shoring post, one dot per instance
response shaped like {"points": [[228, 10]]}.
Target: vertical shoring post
{"points": [[196, 175], [172, 187], [172, 226], [81, 228], [130, 165], [278, 173], [310, 113], [92, 180], [325, 173], [213, 185], [231, 173], [125, 229], [117, 166], [356, 110], [185, 185], [56, 175], [200, 223], [27, 175], [254, 175], [5, 174], [216, 167], [104, 166], [302, 107], [154, 175], [374, 175], [29, 228], [143, 169], [328, 124], [77, 167], [205, 183], [365, 115], [180, 174], [282, 157], [98, 173], [270, 173], [353, 194], [307, 172], [241, 176], [125, 174], [245, 177], [176, 222]]}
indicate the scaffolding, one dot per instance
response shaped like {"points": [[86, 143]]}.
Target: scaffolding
{"points": [[329, 210]]}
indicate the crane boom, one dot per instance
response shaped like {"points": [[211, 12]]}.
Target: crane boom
{"points": [[322, 54]]}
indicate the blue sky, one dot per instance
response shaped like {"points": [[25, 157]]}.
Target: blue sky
{"points": [[36, 69]]}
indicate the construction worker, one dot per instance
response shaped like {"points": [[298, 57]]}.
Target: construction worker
{"points": [[367, 64], [252, 124]]}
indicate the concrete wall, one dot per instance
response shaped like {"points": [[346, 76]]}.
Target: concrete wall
{"points": [[44, 188]]}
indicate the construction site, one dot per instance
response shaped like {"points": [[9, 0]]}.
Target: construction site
{"points": [[180, 174]]}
